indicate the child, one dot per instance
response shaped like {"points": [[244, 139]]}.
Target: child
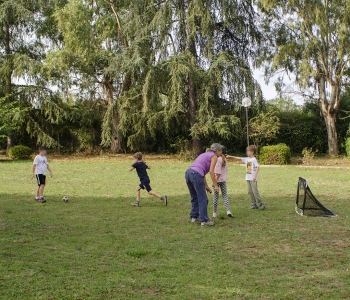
{"points": [[40, 166], [252, 170], [141, 169], [221, 169]]}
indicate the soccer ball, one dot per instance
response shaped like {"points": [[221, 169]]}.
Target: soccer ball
{"points": [[65, 199]]}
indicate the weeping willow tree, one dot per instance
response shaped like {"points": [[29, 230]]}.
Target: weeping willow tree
{"points": [[193, 60], [30, 102], [92, 39]]}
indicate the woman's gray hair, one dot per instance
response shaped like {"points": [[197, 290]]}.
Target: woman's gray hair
{"points": [[216, 147]]}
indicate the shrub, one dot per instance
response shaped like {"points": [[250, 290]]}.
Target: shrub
{"points": [[308, 155], [275, 155], [20, 152], [347, 146]]}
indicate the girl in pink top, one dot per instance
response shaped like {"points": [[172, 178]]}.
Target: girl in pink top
{"points": [[220, 171]]}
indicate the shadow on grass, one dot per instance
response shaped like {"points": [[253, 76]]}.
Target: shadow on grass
{"points": [[239, 204]]}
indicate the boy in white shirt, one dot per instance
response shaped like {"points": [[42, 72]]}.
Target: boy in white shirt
{"points": [[252, 170], [39, 169]]}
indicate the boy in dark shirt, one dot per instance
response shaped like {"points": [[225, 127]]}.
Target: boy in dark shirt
{"points": [[141, 169]]}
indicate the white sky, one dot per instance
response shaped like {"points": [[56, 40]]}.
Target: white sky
{"points": [[269, 91]]}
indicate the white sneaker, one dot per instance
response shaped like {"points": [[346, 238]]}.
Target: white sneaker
{"points": [[208, 223], [229, 214], [194, 220], [215, 214]]}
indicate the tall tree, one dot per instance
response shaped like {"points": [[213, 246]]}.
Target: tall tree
{"points": [[23, 84], [197, 63], [91, 40], [311, 39]]}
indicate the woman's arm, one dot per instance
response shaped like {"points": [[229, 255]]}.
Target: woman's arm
{"points": [[207, 188]]}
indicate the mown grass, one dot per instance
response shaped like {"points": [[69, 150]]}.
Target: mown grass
{"points": [[99, 247]]}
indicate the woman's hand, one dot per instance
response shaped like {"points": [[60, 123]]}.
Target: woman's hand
{"points": [[208, 189]]}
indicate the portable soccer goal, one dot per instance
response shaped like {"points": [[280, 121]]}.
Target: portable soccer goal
{"points": [[307, 204]]}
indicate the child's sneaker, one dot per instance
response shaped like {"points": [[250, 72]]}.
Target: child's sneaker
{"points": [[37, 198], [262, 206], [194, 220], [254, 206], [229, 214], [208, 223], [215, 214], [164, 199], [41, 200], [136, 203]]}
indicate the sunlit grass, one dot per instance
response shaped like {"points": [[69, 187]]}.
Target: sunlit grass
{"points": [[99, 247]]}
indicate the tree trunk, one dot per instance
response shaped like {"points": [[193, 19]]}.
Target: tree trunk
{"points": [[329, 110], [193, 102], [330, 120], [192, 97], [8, 80], [10, 143], [116, 142], [116, 138]]}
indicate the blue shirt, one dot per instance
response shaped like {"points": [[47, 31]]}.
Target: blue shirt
{"points": [[141, 169]]}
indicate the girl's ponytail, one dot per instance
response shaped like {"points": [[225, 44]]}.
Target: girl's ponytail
{"points": [[224, 161]]}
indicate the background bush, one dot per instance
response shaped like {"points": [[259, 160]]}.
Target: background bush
{"points": [[20, 152], [275, 155], [347, 146]]}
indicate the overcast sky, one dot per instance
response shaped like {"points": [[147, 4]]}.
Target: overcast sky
{"points": [[269, 91]]}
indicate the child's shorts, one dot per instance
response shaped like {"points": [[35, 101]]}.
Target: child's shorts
{"points": [[40, 178], [145, 185]]}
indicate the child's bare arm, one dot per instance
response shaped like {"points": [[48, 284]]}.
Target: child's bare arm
{"points": [[234, 157], [48, 167], [217, 176], [256, 174], [33, 171], [131, 169]]}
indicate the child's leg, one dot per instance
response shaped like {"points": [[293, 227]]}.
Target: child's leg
{"points": [[151, 192], [138, 193], [223, 188], [250, 192], [38, 191], [155, 194], [41, 190], [255, 192], [215, 201]]}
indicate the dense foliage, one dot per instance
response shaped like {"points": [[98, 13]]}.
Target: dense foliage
{"points": [[20, 152], [275, 155], [156, 76]]}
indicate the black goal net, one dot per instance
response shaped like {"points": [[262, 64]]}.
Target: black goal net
{"points": [[307, 204]]}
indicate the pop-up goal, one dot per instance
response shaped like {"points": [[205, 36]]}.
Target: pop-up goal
{"points": [[307, 204]]}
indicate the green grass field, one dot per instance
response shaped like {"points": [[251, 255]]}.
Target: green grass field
{"points": [[99, 247]]}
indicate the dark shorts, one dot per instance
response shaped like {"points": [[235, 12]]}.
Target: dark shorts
{"points": [[145, 185], [40, 178]]}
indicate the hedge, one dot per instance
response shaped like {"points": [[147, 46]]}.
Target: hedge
{"points": [[275, 155], [20, 152], [347, 146]]}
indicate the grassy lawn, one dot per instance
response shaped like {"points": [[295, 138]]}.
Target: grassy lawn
{"points": [[99, 247]]}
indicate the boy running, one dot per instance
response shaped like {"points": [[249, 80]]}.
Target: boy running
{"points": [[252, 170], [40, 166], [141, 169]]}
